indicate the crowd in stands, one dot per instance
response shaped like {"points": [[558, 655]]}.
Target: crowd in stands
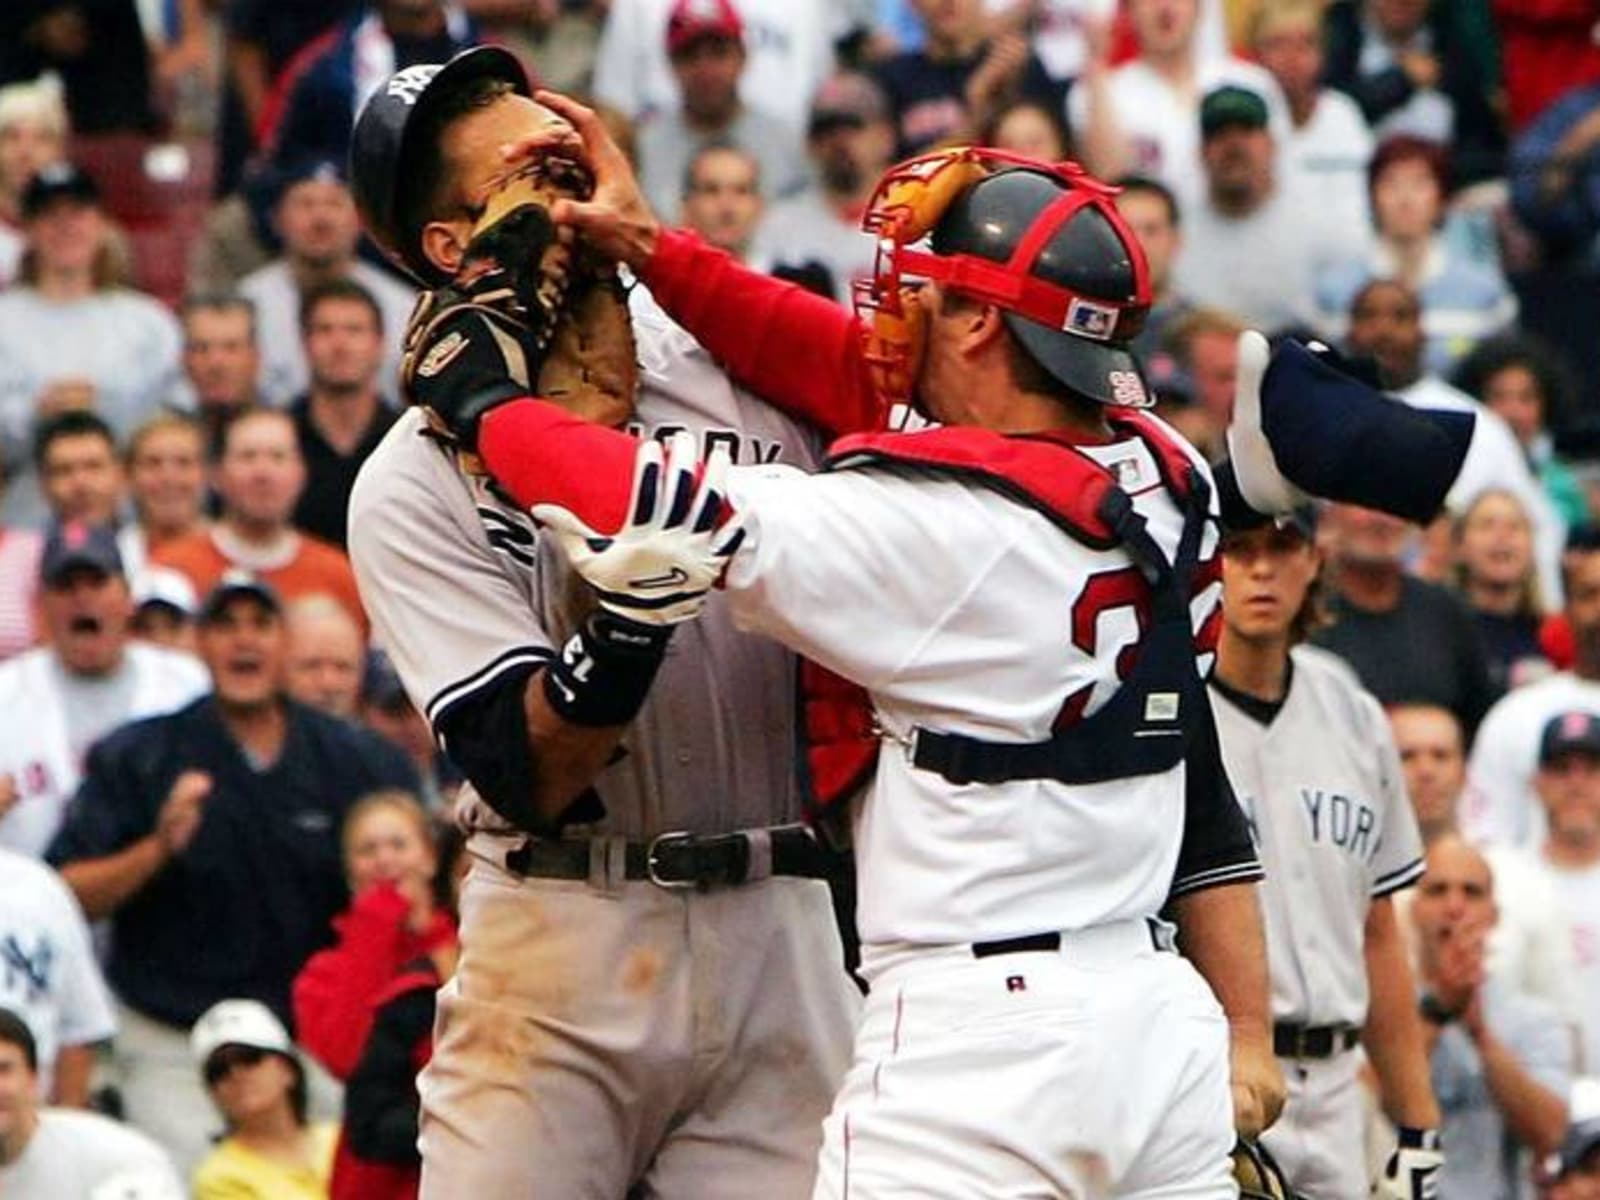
{"points": [[226, 859]]}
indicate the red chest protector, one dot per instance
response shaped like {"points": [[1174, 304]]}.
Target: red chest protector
{"points": [[1046, 473]]}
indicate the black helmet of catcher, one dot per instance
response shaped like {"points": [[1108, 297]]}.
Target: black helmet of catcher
{"points": [[383, 149], [1065, 233]]}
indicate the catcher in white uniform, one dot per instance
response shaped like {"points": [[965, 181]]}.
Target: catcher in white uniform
{"points": [[1314, 765]]}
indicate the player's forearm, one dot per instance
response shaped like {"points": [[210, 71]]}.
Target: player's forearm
{"points": [[1393, 1033], [567, 757], [1535, 1114], [103, 885], [1220, 931], [797, 351], [74, 1065]]}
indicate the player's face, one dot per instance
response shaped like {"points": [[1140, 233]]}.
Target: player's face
{"points": [[385, 846], [243, 648], [220, 357], [318, 222], [1515, 394], [723, 203], [1405, 200], [1456, 895], [1496, 541], [1163, 27], [1429, 742], [1569, 786], [17, 1085], [82, 479], [324, 663], [1291, 48], [1386, 322], [344, 346], [1266, 574], [261, 474], [708, 73], [1152, 225], [167, 477]]}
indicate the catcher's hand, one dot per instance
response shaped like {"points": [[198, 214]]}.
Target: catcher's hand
{"points": [[1413, 1169], [660, 566]]}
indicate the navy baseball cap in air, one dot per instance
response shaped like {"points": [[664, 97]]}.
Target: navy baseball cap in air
{"points": [[233, 585], [58, 181], [1569, 733], [79, 545], [1231, 107]]}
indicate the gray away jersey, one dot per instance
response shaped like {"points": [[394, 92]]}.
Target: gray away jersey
{"points": [[460, 588]]}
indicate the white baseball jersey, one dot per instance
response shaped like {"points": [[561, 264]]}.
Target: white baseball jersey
{"points": [[962, 611], [460, 589], [1322, 785], [1500, 805], [1577, 893]]}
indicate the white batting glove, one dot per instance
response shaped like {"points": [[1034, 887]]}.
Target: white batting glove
{"points": [[661, 565], [1412, 1173], [1263, 486]]}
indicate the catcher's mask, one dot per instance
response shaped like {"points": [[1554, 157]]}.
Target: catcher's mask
{"points": [[1044, 242], [1258, 1175]]}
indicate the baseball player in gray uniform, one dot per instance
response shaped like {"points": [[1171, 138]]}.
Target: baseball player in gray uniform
{"points": [[651, 997], [1313, 763]]}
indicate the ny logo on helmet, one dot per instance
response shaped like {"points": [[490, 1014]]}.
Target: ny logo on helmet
{"points": [[408, 84]]}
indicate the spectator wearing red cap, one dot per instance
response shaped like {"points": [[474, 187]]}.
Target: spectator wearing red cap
{"points": [[705, 42]]}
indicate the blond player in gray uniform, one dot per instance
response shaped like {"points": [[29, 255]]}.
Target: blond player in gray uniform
{"points": [[1312, 762], [613, 1028]]}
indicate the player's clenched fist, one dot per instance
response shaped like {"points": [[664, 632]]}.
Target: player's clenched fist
{"points": [[1258, 1087], [181, 814]]}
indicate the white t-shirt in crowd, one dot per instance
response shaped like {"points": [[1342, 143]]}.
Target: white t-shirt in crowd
{"points": [[1327, 158], [1577, 892], [76, 1155]]}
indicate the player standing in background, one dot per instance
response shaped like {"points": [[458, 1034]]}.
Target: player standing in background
{"points": [[618, 1018], [1314, 765]]}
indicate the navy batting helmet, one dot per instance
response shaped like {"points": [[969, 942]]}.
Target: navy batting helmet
{"points": [[383, 150], [1063, 233]]}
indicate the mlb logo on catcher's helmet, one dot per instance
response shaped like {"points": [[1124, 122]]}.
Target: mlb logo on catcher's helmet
{"points": [[1090, 320]]}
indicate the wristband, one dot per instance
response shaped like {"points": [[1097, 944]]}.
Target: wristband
{"points": [[1418, 1139], [1434, 1012], [605, 670]]}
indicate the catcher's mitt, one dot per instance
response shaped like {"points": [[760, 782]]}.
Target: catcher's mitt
{"points": [[527, 313], [1258, 1176]]}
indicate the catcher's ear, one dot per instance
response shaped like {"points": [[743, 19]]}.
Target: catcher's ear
{"points": [[444, 243]]}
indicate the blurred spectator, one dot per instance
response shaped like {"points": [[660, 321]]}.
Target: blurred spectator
{"points": [[164, 610], [1205, 345], [209, 838], [1569, 790], [325, 656], [1501, 807], [1386, 323], [19, 586], [33, 135], [1413, 70], [1501, 1060], [317, 220], [1496, 576], [1328, 145], [705, 42], [951, 87], [1524, 382], [850, 140], [1554, 172], [270, 1148], [388, 711], [311, 109], [166, 474], [98, 50], [1248, 248], [1573, 1173], [341, 418], [1029, 127], [556, 38], [722, 198], [1408, 640], [1547, 47], [1463, 301], [258, 477], [63, 1153], [51, 977], [1143, 116], [1530, 947], [79, 469], [1152, 210], [391, 863], [221, 359], [61, 698], [791, 49], [69, 336]]}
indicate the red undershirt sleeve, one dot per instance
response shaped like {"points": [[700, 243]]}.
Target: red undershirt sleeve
{"points": [[538, 453], [796, 350]]}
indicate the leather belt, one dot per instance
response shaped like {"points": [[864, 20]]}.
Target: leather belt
{"points": [[1313, 1041], [682, 860], [1035, 943]]}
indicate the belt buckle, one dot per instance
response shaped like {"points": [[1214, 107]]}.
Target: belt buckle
{"points": [[652, 861]]}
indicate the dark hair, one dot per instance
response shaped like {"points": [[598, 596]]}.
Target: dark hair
{"points": [[1552, 374], [417, 205], [718, 146], [14, 1031], [1407, 148], [72, 423], [337, 289], [218, 302], [1145, 186]]}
